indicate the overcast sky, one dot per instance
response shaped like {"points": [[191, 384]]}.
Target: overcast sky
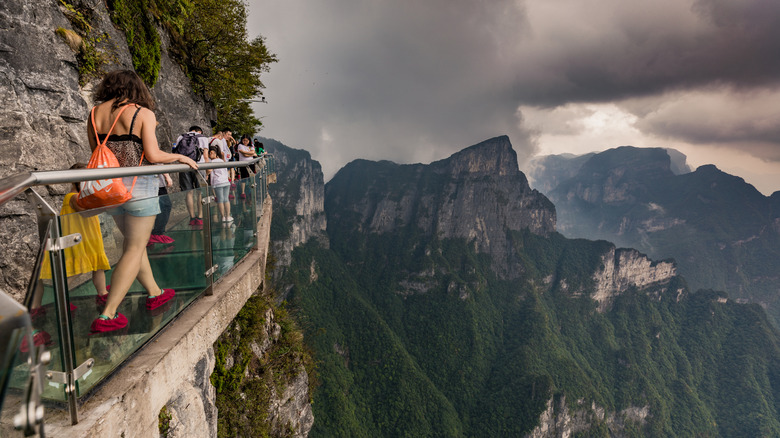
{"points": [[417, 80]]}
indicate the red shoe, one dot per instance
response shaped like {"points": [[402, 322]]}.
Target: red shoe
{"points": [[40, 337], [37, 313], [243, 196], [101, 300], [162, 309], [104, 324], [155, 302], [198, 221], [165, 239], [231, 197]]}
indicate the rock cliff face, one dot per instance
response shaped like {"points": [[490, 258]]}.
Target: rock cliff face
{"points": [[43, 111], [43, 117], [559, 421], [476, 194], [622, 269], [299, 201]]}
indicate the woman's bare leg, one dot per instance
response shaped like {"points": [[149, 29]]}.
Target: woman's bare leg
{"points": [[146, 277], [99, 280], [136, 231]]}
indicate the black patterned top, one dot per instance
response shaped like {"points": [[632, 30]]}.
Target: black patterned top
{"points": [[127, 148]]}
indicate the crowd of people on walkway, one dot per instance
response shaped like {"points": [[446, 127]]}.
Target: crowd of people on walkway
{"points": [[221, 147]]}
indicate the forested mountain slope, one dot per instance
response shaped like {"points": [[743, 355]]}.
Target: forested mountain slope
{"points": [[448, 305]]}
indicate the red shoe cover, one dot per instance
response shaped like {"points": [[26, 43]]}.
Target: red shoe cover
{"points": [[165, 239], [101, 300], [100, 325], [162, 309], [37, 312], [40, 337], [159, 300]]}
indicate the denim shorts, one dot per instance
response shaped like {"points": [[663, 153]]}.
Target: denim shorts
{"points": [[222, 192], [144, 201]]}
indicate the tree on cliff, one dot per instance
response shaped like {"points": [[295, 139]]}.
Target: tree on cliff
{"points": [[223, 63], [210, 41]]}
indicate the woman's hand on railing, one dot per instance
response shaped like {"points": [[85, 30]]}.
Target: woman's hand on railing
{"points": [[188, 161]]}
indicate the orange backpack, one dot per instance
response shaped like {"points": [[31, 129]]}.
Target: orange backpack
{"points": [[104, 192]]}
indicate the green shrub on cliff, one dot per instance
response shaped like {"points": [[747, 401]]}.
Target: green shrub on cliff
{"points": [[83, 41], [245, 383], [142, 37]]}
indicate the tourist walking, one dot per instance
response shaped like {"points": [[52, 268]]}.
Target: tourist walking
{"points": [[131, 136]]}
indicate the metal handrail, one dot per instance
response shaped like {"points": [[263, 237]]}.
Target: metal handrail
{"points": [[14, 185]]}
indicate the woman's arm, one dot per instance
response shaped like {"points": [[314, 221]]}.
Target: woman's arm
{"points": [[152, 151]]}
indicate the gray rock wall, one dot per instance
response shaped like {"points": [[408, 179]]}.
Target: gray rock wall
{"points": [[624, 268], [561, 421], [299, 197]]}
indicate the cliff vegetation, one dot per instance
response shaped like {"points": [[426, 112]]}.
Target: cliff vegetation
{"points": [[262, 374]]}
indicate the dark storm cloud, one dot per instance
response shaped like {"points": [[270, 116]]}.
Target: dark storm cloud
{"points": [[411, 80], [747, 121], [406, 80], [624, 49]]}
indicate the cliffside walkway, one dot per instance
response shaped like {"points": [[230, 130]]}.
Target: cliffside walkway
{"points": [[215, 256]]}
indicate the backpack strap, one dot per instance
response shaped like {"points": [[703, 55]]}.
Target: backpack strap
{"points": [[94, 127], [97, 137]]}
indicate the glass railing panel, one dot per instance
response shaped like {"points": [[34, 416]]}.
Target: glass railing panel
{"points": [[16, 364], [230, 239], [17, 372], [177, 263], [260, 187], [46, 327]]}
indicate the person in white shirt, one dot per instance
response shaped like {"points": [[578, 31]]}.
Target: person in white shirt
{"points": [[220, 183], [220, 140], [246, 152]]}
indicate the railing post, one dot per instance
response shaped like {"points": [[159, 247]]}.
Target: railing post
{"points": [[59, 277], [208, 254], [253, 190]]}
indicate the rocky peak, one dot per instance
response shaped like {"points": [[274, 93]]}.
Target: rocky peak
{"points": [[476, 194], [617, 175], [490, 157]]}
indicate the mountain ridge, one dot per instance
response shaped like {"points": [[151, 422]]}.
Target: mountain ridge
{"points": [[722, 232]]}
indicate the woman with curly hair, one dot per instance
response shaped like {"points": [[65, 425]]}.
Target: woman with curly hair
{"points": [[124, 109]]}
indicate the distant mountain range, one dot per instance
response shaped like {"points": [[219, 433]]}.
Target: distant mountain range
{"points": [[722, 232], [441, 301]]}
